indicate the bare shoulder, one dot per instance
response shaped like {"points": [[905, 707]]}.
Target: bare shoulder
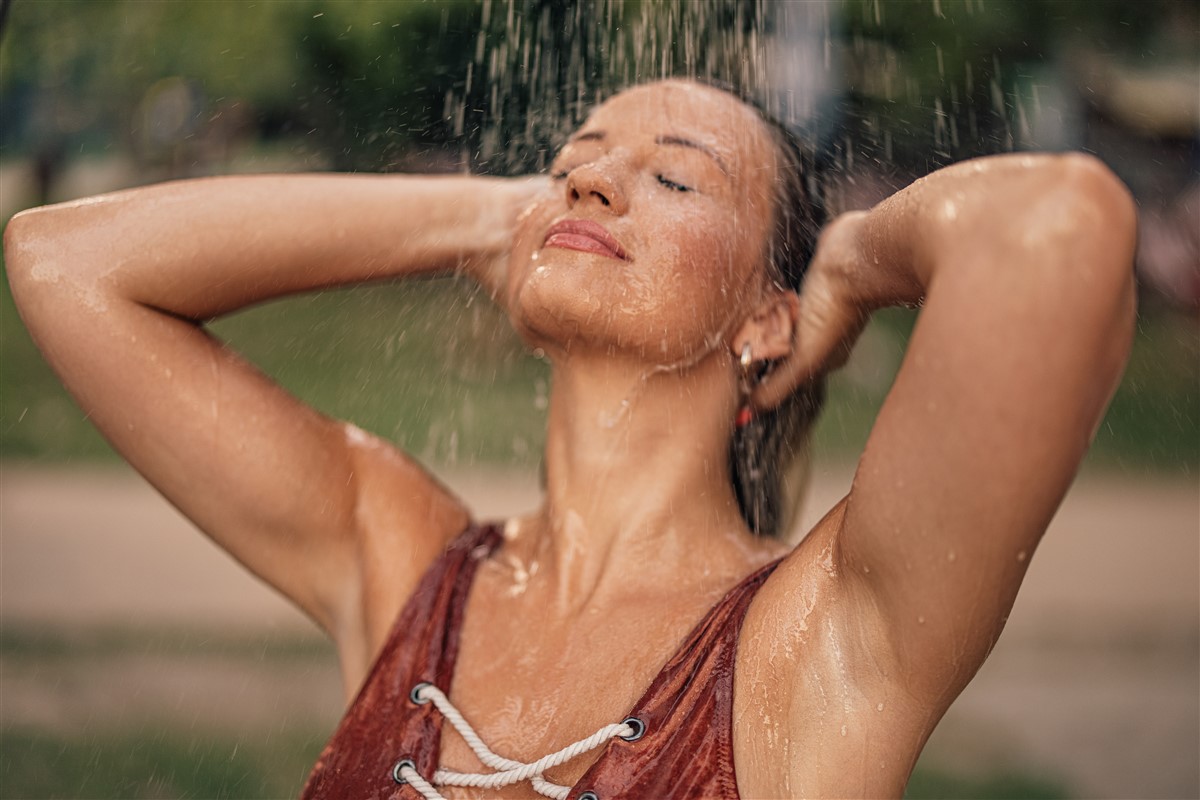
{"points": [[815, 700], [404, 518]]}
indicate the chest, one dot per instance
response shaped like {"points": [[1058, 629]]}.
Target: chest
{"points": [[531, 680]]}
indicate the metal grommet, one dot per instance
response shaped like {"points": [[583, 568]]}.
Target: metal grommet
{"points": [[588, 796], [639, 729], [401, 764], [415, 694]]}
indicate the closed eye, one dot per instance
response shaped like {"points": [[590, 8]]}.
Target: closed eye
{"points": [[673, 185]]}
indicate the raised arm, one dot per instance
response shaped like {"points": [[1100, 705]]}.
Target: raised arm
{"points": [[1025, 265], [1022, 267], [115, 290]]}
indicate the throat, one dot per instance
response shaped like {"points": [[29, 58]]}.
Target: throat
{"points": [[638, 453]]}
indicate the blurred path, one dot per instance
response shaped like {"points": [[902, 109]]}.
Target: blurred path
{"points": [[1096, 680]]}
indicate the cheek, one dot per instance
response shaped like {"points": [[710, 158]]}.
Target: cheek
{"points": [[708, 275], [687, 295]]}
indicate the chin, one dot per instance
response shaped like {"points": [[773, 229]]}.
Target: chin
{"points": [[558, 318], [551, 312], [576, 302]]}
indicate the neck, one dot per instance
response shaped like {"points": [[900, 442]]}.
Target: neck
{"points": [[637, 474]]}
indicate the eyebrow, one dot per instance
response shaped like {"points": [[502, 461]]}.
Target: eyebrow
{"points": [[679, 141], [670, 141], [590, 136]]}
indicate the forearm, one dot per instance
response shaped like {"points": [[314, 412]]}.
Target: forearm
{"points": [[198, 249]]}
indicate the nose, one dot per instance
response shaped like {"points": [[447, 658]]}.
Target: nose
{"points": [[599, 183]]}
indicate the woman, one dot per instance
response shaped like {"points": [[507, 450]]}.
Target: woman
{"points": [[651, 272]]}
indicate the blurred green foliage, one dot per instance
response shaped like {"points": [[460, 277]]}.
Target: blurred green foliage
{"points": [[936, 81], [370, 84], [356, 82]]}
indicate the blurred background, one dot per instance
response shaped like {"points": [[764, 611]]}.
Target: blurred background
{"points": [[138, 661]]}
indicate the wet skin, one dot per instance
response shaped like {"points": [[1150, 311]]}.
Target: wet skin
{"points": [[857, 644], [683, 180]]}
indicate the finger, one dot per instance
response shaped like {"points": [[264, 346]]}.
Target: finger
{"points": [[826, 329]]}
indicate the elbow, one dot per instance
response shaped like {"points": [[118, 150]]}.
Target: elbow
{"points": [[1110, 204], [24, 243], [1078, 224], [1097, 248], [1112, 228], [1094, 209], [40, 261]]}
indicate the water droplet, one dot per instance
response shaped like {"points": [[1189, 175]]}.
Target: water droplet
{"points": [[879, 707], [920, 620], [1022, 555], [951, 556]]}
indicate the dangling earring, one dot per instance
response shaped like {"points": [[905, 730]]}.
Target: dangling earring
{"points": [[745, 413]]}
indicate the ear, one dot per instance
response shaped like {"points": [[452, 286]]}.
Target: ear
{"points": [[771, 333]]}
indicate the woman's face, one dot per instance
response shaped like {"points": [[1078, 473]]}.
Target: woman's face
{"points": [[653, 242]]}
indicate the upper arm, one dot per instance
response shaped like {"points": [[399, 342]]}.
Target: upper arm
{"points": [[300, 499], [1014, 357]]}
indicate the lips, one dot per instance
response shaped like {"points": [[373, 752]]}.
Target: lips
{"points": [[585, 236]]}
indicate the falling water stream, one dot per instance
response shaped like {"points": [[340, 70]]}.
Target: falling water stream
{"points": [[841, 73], [878, 111]]}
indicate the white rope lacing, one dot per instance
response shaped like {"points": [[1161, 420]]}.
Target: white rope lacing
{"points": [[508, 771]]}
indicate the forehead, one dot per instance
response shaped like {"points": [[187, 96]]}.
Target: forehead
{"points": [[699, 113]]}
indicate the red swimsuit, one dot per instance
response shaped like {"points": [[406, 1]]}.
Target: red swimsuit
{"points": [[687, 749]]}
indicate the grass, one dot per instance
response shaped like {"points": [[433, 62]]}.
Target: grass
{"points": [[927, 782], [121, 742], [157, 763], [28, 643], [434, 367]]}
